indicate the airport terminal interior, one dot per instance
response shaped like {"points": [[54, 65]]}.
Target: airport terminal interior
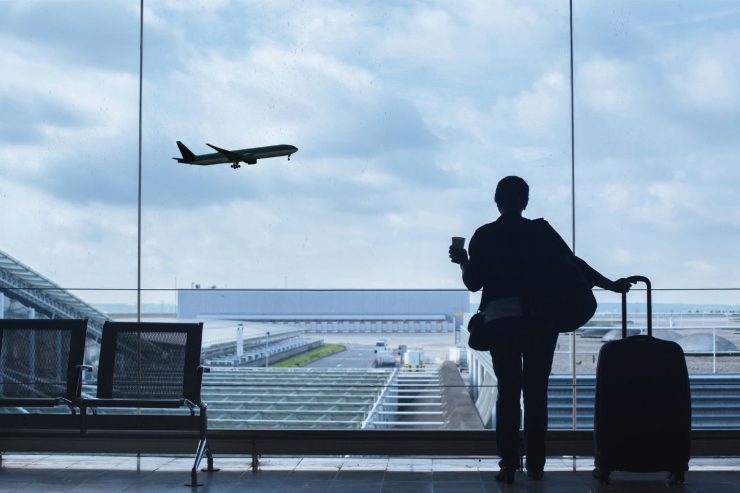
{"points": [[272, 307]]}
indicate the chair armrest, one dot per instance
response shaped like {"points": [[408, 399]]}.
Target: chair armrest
{"points": [[202, 406], [81, 369], [191, 405], [66, 402], [134, 403]]}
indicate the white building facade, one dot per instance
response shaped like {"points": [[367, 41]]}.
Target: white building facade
{"points": [[332, 311]]}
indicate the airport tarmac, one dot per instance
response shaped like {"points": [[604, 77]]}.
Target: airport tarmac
{"points": [[353, 357], [437, 348]]}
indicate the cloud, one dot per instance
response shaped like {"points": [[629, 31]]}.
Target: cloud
{"points": [[544, 106], [69, 128], [674, 204], [616, 196], [72, 131], [608, 86], [623, 256], [528, 154], [339, 113], [195, 6], [709, 83], [406, 116], [94, 34], [87, 246], [337, 108], [700, 267], [372, 128], [28, 121], [257, 243], [406, 37], [533, 115], [331, 105], [699, 66]]}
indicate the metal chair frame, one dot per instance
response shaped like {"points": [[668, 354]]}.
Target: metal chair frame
{"points": [[110, 396]]}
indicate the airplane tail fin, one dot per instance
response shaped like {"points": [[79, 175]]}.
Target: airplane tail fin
{"points": [[187, 154]]}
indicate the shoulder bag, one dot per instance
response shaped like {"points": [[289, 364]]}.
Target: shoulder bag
{"points": [[558, 294]]}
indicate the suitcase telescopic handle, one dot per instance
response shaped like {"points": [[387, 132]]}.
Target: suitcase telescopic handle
{"points": [[648, 288]]}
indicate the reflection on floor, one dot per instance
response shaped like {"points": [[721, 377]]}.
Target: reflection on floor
{"points": [[113, 474]]}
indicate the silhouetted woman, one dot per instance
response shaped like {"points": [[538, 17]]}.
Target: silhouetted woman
{"points": [[522, 351]]}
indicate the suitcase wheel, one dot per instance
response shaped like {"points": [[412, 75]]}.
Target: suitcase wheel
{"points": [[676, 477], [601, 474]]}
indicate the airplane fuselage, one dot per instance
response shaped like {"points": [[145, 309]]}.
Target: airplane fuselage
{"points": [[249, 156]]}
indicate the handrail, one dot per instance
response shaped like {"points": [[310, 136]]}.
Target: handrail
{"points": [[465, 443]]}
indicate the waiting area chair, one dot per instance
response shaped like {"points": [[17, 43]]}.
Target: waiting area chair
{"points": [[150, 367], [146, 373], [41, 364]]}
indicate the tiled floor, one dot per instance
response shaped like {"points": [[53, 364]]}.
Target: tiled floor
{"points": [[113, 474]]}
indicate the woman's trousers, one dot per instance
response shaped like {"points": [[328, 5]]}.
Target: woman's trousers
{"points": [[522, 359]]}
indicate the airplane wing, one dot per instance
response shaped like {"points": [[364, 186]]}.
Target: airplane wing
{"points": [[228, 154]]}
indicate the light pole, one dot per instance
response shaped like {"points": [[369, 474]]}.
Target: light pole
{"points": [[267, 351], [239, 341]]}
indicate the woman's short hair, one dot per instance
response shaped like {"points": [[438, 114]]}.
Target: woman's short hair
{"points": [[512, 193]]}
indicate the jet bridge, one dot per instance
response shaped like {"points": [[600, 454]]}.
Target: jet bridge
{"points": [[24, 293]]}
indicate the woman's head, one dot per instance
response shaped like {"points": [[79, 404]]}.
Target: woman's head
{"points": [[512, 195]]}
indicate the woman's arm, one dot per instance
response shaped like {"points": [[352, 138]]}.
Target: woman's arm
{"points": [[594, 277]]}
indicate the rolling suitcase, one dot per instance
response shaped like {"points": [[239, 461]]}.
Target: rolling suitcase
{"points": [[642, 415]]}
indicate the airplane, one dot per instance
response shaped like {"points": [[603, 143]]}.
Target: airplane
{"points": [[249, 156]]}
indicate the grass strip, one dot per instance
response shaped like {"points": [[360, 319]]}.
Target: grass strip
{"points": [[309, 356]]}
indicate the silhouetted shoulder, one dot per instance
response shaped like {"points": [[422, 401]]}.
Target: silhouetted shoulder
{"points": [[486, 233], [485, 229], [543, 227], [542, 222], [480, 237]]}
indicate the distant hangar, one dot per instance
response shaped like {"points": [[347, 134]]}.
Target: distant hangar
{"points": [[328, 311]]}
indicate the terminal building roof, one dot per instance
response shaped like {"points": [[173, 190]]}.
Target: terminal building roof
{"points": [[20, 282]]}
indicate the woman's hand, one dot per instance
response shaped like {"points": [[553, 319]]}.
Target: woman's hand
{"points": [[458, 255], [621, 285]]}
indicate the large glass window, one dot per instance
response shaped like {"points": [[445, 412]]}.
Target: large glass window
{"points": [[656, 107], [68, 140], [405, 115]]}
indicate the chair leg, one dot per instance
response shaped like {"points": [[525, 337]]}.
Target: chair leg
{"points": [[255, 457], [198, 457], [209, 460], [193, 480]]}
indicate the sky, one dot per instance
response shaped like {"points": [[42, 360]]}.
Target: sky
{"points": [[406, 115]]}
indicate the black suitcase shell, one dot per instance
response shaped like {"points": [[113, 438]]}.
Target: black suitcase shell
{"points": [[642, 415]]}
